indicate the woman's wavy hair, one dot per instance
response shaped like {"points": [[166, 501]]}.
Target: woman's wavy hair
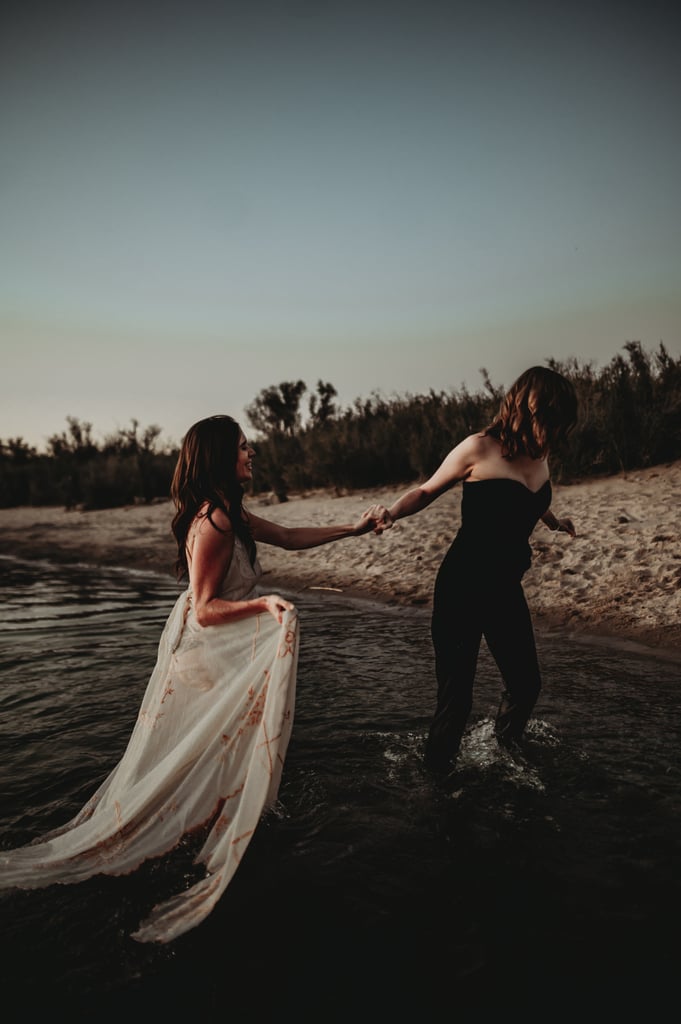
{"points": [[205, 474], [538, 411]]}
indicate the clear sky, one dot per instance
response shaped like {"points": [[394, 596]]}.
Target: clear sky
{"points": [[199, 200]]}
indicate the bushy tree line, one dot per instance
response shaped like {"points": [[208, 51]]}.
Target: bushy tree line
{"points": [[630, 418], [125, 468]]}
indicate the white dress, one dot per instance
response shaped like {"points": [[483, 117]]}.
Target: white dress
{"points": [[208, 748]]}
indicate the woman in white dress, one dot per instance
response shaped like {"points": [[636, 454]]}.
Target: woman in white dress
{"points": [[208, 747]]}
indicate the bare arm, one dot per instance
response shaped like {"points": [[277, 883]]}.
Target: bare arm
{"points": [[297, 538], [455, 467], [564, 525], [211, 554]]}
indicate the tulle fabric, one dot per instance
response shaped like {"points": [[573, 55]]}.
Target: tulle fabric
{"points": [[207, 749]]}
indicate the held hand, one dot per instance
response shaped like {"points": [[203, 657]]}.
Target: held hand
{"points": [[566, 526], [370, 520], [276, 606], [384, 520]]}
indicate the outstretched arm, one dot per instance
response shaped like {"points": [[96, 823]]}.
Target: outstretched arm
{"points": [[297, 538], [455, 467]]}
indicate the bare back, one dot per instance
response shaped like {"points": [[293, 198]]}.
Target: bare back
{"points": [[488, 463]]}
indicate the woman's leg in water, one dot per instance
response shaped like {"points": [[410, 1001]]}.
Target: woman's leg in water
{"points": [[456, 631], [510, 637]]}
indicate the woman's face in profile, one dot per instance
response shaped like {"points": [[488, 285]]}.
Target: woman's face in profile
{"points": [[244, 463]]}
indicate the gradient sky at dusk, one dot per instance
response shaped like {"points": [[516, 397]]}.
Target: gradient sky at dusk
{"points": [[200, 200]]}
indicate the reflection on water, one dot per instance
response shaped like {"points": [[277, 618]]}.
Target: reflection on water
{"points": [[558, 871]]}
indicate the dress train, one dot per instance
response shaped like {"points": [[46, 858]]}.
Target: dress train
{"points": [[207, 749]]}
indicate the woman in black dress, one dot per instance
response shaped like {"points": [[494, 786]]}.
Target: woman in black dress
{"points": [[478, 590]]}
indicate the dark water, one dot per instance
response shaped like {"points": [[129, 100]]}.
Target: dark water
{"points": [[545, 886]]}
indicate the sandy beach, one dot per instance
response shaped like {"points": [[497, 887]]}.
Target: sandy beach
{"points": [[620, 577]]}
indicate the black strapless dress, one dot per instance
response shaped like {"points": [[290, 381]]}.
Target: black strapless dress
{"points": [[497, 518]]}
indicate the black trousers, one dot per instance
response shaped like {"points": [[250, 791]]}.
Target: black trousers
{"points": [[466, 607]]}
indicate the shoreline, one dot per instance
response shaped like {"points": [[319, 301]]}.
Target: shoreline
{"points": [[379, 604], [620, 578]]}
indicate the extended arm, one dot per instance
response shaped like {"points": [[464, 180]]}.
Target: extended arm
{"points": [[455, 467], [297, 538]]}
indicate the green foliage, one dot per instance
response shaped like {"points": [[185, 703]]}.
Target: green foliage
{"points": [[321, 405], [630, 418], [276, 409], [630, 413], [76, 472]]}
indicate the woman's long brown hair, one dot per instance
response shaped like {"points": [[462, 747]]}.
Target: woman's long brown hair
{"points": [[205, 474], [538, 410]]}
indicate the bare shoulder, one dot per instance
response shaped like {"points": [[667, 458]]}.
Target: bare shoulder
{"points": [[474, 448], [456, 466], [217, 521], [477, 444]]}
